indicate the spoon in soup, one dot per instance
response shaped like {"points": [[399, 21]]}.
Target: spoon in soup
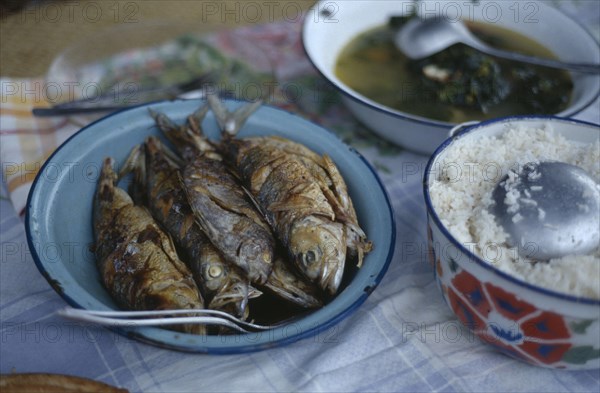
{"points": [[419, 38], [549, 209]]}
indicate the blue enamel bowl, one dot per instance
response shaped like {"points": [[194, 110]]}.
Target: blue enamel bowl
{"points": [[59, 219]]}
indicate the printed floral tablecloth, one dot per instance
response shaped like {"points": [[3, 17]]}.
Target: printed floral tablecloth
{"points": [[404, 338]]}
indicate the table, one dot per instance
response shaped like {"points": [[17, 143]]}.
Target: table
{"points": [[404, 338]]}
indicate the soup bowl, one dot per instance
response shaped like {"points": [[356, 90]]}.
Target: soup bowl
{"points": [[533, 323], [330, 26]]}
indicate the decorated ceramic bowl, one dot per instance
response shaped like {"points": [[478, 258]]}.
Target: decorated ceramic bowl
{"points": [[535, 324]]}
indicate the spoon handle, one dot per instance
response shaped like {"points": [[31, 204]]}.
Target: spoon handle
{"points": [[577, 67]]}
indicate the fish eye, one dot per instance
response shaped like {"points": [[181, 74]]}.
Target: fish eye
{"points": [[250, 250], [309, 257], [215, 271]]}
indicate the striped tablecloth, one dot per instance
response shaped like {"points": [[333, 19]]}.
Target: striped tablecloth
{"points": [[403, 338]]}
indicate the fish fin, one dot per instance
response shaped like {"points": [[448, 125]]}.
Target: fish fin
{"points": [[153, 114], [196, 136], [185, 141], [202, 144], [170, 156], [162, 120], [221, 113], [277, 207], [165, 125], [345, 212], [258, 207], [357, 241], [133, 163], [339, 187], [136, 164], [200, 220], [231, 122], [296, 296], [167, 246], [338, 209], [236, 202], [196, 118], [289, 284], [253, 293], [108, 178], [366, 246]]}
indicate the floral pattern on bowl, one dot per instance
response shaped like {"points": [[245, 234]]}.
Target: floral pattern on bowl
{"points": [[507, 321], [527, 320]]}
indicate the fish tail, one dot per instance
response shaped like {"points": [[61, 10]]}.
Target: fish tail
{"points": [[155, 147], [187, 143], [136, 164], [133, 163], [108, 176], [231, 122], [162, 121], [196, 118]]}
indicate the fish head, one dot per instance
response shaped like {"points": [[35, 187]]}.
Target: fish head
{"points": [[288, 285], [318, 248], [215, 274], [227, 286], [233, 298], [257, 256]]}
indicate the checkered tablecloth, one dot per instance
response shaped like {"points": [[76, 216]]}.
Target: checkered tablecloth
{"points": [[403, 338]]}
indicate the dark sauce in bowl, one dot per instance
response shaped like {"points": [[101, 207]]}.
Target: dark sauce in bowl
{"points": [[457, 84]]}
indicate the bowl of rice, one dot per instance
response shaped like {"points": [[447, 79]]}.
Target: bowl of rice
{"points": [[546, 313]]}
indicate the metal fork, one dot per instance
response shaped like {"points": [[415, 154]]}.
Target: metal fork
{"points": [[162, 317]]}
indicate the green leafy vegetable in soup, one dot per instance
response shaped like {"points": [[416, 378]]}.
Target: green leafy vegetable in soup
{"points": [[458, 84]]}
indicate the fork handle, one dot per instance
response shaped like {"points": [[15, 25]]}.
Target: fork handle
{"points": [[54, 111], [118, 322]]}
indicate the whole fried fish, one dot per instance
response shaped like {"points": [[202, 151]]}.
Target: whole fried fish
{"points": [[137, 261], [302, 195], [221, 206], [325, 173], [158, 183]]}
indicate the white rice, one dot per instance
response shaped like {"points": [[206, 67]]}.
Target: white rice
{"points": [[461, 193]]}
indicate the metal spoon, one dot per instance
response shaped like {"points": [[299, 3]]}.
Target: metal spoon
{"points": [[549, 209], [419, 38]]}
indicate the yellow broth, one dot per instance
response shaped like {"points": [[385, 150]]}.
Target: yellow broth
{"points": [[372, 66]]}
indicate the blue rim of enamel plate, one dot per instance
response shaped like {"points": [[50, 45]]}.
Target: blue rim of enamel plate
{"points": [[304, 327], [359, 98], [464, 250]]}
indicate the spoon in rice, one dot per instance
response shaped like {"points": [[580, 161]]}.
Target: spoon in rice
{"points": [[549, 209], [422, 37]]}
